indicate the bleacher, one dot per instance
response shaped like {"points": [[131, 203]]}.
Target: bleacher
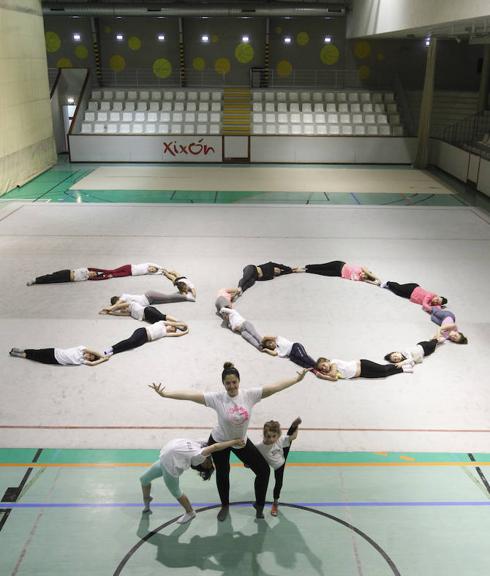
{"points": [[199, 112], [325, 113], [126, 111]]}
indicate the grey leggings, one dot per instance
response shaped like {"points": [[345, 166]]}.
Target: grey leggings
{"points": [[221, 302], [155, 297], [250, 334]]}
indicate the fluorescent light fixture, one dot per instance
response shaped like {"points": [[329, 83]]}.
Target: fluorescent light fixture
{"points": [[427, 41], [204, 38], [77, 37], [245, 39], [119, 37], [327, 39], [287, 40], [161, 37], [70, 100]]}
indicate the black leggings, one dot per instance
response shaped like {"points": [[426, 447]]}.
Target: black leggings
{"points": [[152, 315], [279, 473], [300, 356], [137, 338], [249, 455], [371, 369], [55, 277], [248, 278], [333, 268], [43, 355], [403, 290], [428, 346]]}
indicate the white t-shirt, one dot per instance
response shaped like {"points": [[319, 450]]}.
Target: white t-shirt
{"points": [[80, 274], [137, 311], [185, 281], [139, 298], [235, 320], [70, 356], [272, 453], [283, 347], [415, 354], [178, 455], [346, 368], [233, 413], [140, 269], [156, 331]]}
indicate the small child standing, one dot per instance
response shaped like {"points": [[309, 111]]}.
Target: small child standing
{"points": [[275, 451]]}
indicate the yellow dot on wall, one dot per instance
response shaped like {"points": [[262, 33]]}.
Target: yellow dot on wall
{"points": [[107, 29], [244, 53], [278, 29], [380, 56], [214, 39], [302, 38], [329, 54], [362, 49], [117, 63], [364, 72], [198, 63], [284, 68], [64, 63], [134, 43], [222, 66], [81, 52], [162, 68], [53, 42]]}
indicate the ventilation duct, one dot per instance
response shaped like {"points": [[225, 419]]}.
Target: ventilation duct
{"points": [[196, 11]]}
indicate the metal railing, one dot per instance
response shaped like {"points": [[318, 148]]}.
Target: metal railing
{"points": [[469, 133], [258, 78]]}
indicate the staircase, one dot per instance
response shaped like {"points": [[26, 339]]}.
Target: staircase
{"points": [[236, 111]]}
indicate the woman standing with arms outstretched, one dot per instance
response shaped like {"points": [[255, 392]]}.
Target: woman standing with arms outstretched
{"points": [[234, 409]]}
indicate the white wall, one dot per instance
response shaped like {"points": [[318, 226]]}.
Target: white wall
{"points": [[484, 177], [370, 17], [26, 142]]}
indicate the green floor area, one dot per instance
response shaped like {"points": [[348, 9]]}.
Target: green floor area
{"points": [[79, 512], [54, 186], [63, 456]]}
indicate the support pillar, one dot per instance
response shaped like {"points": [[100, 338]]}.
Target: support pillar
{"points": [[422, 155], [485, 70]]}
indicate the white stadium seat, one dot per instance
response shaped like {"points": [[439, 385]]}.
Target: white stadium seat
{"points": [[346, 129], [189, 117], [127, 116], [202, 129], [93, 106], [283, 129], [105, 106], [359, 130], [180, 96], [176, 129], [270, 118], [89, 116], [214, 129], [86, 128], [202, 117], [139, 116], [117, 106], [156, 95], [321, 129], [270, 107], [132, 95], [99, 128], [129, 106], [204, 96], [189, 129], [293, 97], [101, 117], [372, 130], [163, 129], [270, 129], [177, 117], [137, 129], [203, 107], [154, 106], [152, 117], [191, 107], [96, 95], [333, 129], [114, 116], [124, 128], [112, 128]]}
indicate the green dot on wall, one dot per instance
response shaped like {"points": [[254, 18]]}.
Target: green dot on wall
{"points": [[53, 42], [117, 63], [81, 52], [198, 63], [244, 53], [222, 66], [162, 68], [329, 54], [134, 43]]}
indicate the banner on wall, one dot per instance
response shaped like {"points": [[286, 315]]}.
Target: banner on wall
{"points": [[192, 149], [162, 148]]}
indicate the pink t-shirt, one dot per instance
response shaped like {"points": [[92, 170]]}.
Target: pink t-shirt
{"points": [[350, 272], [423, 297]]}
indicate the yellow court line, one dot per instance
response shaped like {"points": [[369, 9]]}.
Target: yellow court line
{"points": [[295, 464]]}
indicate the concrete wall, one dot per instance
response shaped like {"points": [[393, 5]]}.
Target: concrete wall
{"points": [[287, 149], [26, 143], [370, 17], [373, 62]]}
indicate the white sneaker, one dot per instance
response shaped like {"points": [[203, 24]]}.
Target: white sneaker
{"points": [[30, 283], [383, 284], [407, 368], [187, 517]]}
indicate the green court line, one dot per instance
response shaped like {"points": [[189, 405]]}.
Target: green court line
{"points": [[66, 456], [54, 186]]}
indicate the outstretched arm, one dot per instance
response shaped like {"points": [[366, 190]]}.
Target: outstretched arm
{"points": [[330, 375], [119, 308], [236, 443], [271, 389], [197, 397]]}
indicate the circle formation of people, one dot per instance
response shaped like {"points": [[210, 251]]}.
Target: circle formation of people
{"points": [[234, 405]]}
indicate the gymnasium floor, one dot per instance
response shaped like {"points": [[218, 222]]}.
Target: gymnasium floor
{"points": [[386, 477]]}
